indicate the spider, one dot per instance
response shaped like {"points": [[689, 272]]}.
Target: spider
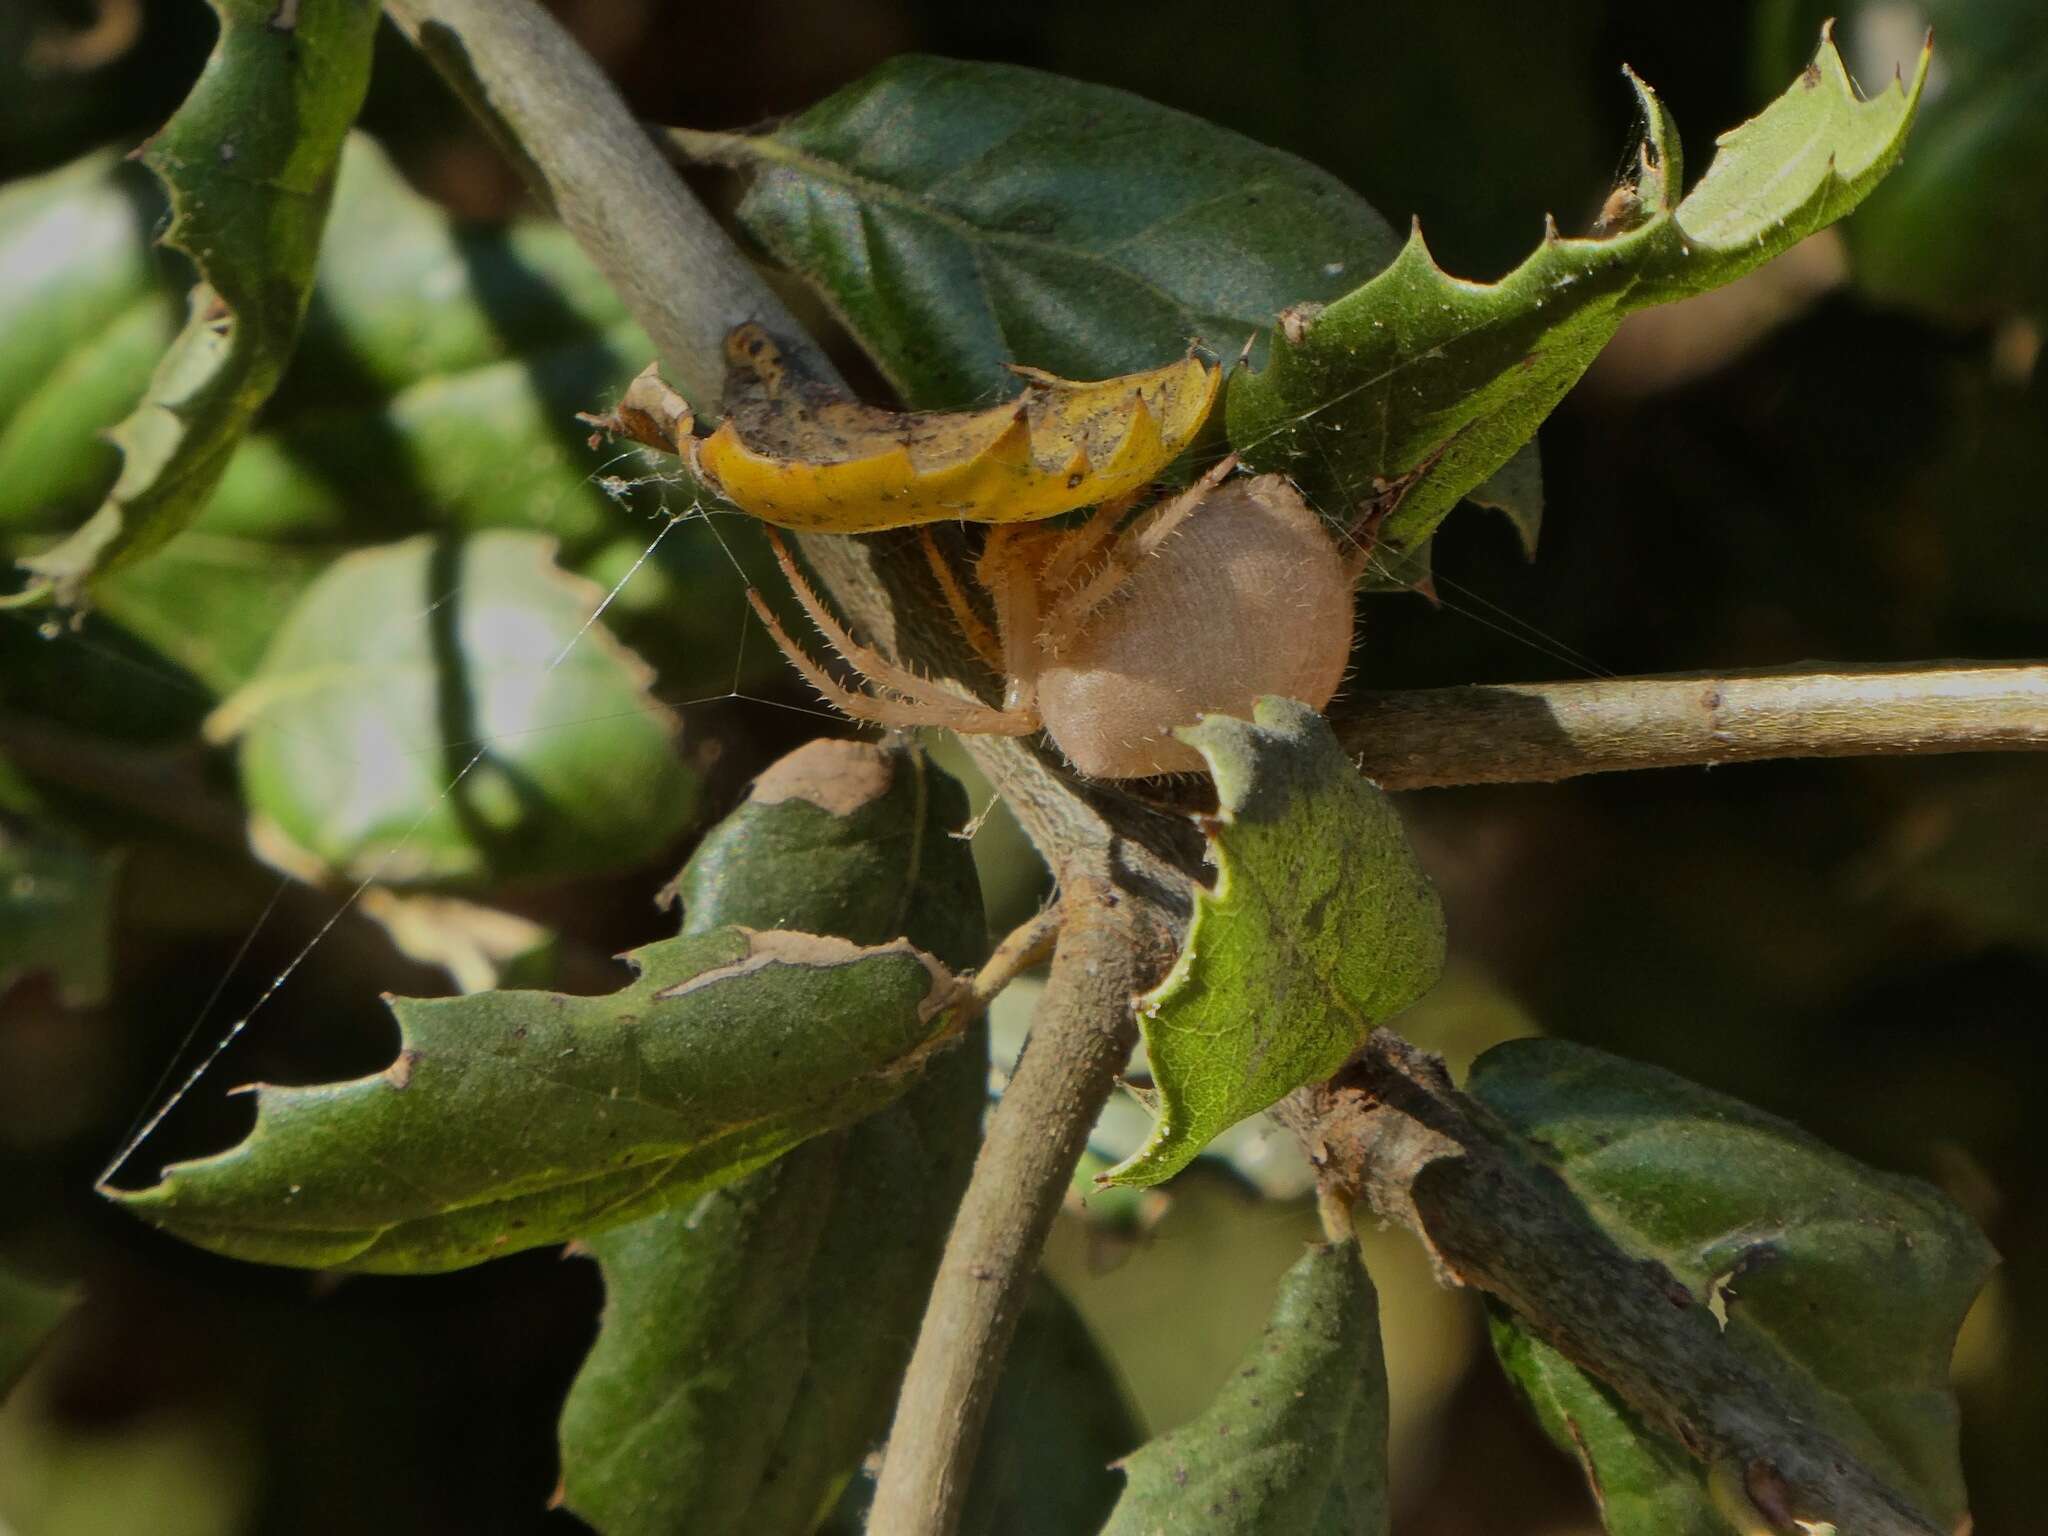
{"points": [[1108, 635]]}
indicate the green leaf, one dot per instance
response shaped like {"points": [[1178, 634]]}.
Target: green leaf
{"points": [[752, 1344], [249, 162], [29, 1314], [56, 914], [958, 216], [1296, 1442], [1842, 1285], [1961, 226], [514, 1119], [84, 312], [1415, 388], [1321, 927], [1644, 1483], [406, 666]]}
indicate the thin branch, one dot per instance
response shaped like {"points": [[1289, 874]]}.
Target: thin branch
{"points": [[1390, 1130], [1082, 1034], [1537, 732]]}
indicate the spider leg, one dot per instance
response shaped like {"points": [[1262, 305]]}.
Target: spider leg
{"points": [[978, 634], [917, 701], [1078, 545], [1132, 547]]}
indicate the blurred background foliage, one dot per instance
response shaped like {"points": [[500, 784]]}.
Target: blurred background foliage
{"points": [[1840, 458]]}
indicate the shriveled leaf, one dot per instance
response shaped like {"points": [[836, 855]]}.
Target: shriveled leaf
{"points": [[1296, 1442], [752, 1344], [801, 456], [960, 216], [1321, 926], [515, 1119], [249, 162], [56, 913], [1843, 1285], [29, 1314], [1416, 388], [475, 664]]}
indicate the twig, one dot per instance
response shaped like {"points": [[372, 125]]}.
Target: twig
{"points": [[1082, 1034], [1390, 1130], [1025, 946], [1536, 732]]}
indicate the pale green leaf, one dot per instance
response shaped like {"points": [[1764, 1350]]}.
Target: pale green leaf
{"points": [[510, 1120], [1296, 1442], [1842, 1285], [1417, 387], [1321, 927], [442, 711], [249, 162]]}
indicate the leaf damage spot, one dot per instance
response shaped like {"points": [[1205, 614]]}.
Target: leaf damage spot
{"points": [[399, 1073], [838, 777]]}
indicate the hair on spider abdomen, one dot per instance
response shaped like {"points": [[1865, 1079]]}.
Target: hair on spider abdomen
{"points": [[1248, 596], [1108, 635]]}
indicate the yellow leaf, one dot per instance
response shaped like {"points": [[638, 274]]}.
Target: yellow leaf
{"points": [[803, 456]]}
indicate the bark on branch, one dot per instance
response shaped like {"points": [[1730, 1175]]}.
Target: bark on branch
{"points": [[1391, 1131], [1536, 732]]}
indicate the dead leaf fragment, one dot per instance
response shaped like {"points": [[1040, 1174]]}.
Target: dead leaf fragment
{"points": [[801, 455]]}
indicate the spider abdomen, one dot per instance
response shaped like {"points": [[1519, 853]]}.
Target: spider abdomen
{"points": [[1248, 596]]}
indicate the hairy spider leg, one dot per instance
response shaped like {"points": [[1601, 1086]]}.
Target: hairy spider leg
{"points": [[1076, 546], [917, 702], [978, 634], [1132, 548]]}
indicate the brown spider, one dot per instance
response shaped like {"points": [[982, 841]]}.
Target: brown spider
{"points": [[1108, 636]]}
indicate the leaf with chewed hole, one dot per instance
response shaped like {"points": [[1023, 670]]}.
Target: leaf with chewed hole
{"points": [[1840, 1283], [752, 1344], [1321, 927], [1296, 1442], [514, 1119], [1414, 389], [800, 455], [249, 162]]}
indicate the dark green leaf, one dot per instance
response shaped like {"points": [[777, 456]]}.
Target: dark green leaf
{"points": [[56, 914], [1321, 926], [1296, 1442], [249, 162], [1058, 1423], [961, 215], [475, 664], [515, 1119], [752, 1344], [1843, 1285], [1417, 387]]}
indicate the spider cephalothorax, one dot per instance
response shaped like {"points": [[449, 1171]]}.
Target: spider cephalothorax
{"points": [[1111, 633]]}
